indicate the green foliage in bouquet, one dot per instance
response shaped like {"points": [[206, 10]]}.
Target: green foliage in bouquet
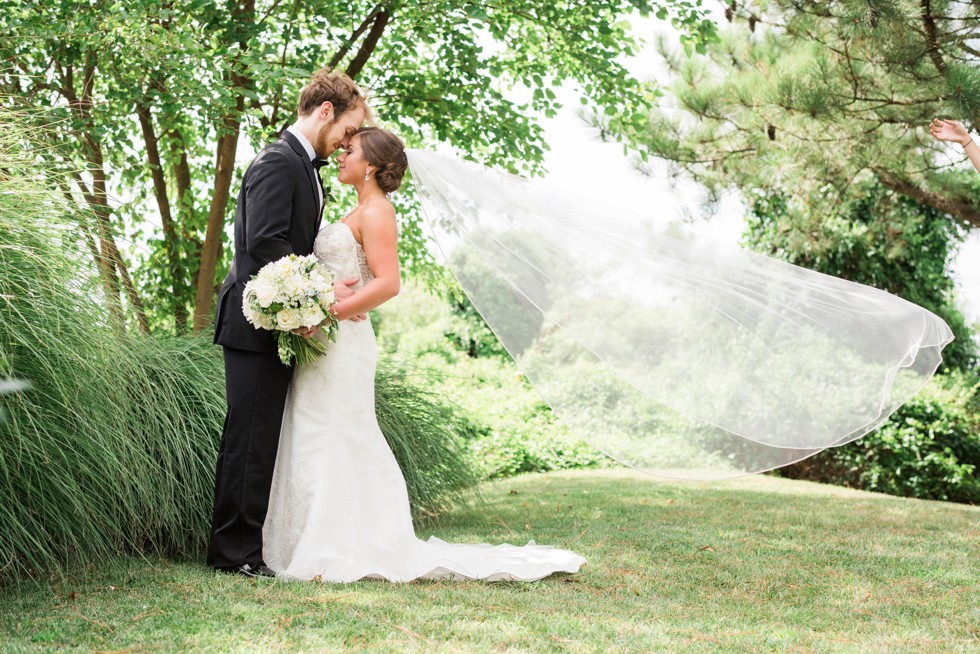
{"points": [[302, 350]]}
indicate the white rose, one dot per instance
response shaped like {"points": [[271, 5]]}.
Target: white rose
{"points": [[282, 268], [313, 316], [265, 321], [289, 319], [265, 292], [251, 316], [292, 285]]}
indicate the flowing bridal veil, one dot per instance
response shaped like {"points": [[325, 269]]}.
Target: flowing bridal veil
{"points": [[666, 350]]}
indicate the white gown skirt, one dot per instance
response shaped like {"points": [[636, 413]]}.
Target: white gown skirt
{"points": [[339, 508]]}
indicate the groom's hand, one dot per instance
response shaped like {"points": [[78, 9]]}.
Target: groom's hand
{"points": [[342, 290]]}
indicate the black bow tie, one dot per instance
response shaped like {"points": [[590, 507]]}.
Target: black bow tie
{"points": [[320, 163]]}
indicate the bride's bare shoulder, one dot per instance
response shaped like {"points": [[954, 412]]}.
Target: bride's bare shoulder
{"points": [[379, 214]]}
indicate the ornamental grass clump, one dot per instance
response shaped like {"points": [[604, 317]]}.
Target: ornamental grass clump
{"points": [[112, 446]]}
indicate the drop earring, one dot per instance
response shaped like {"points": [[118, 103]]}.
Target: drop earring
{"points": [[367, 175]]}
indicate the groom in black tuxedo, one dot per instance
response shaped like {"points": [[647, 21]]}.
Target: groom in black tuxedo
{"points": [[278, 213]]}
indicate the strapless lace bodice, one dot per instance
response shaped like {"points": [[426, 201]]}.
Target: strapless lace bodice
{"points": [[337, 249]]}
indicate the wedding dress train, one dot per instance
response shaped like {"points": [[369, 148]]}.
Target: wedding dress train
{"points": [[339, 508]]}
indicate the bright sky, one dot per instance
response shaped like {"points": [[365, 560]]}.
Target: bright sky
{"points": [[580, 160]]}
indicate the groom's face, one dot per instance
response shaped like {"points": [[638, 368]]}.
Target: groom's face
{"points": [[333, 135]]}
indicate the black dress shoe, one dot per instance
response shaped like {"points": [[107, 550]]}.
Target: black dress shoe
{"points": [[252, 571]]}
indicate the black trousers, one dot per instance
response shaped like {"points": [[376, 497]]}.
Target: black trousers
{"points": [[255, 386]]}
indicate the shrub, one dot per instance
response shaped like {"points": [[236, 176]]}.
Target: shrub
{"points": [[427, 437], [929, 448], [881, 239], [508, 429]]}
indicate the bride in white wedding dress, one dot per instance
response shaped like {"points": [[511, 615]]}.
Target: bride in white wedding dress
{"points": [[339, 508]]}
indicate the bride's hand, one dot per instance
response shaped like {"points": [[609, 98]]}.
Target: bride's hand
{"points": [[307, 332], [358, 318]]}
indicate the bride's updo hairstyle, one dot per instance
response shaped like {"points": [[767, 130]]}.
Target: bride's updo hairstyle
{"points": [[386, 152]]}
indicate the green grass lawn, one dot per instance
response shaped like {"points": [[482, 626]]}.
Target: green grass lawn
{"points": [[755, 565]]}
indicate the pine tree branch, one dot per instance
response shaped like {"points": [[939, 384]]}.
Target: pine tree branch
{"points": [[932, 41], [965, 211], [95, 195], [965, 48]]}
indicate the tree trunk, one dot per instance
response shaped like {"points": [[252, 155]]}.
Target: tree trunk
{"points": [[370, 43], [110, 260], [345, 49], [932, 38], [107, 243], [107, 271], [224, 172], [163, 203], [185, 211]]}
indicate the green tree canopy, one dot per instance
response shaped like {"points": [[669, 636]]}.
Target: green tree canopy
{"points": [[817, 97], [150, 99]]}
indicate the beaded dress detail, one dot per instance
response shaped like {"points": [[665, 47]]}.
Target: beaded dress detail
{"points": [[339, 508]]}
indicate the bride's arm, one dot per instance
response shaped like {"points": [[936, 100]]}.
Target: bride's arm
{"points": [[951, 130], [379, 234]]}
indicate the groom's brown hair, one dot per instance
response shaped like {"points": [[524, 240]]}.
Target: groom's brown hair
{"points": [[336, 88]]}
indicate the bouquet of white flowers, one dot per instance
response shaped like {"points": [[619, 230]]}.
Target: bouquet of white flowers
{"points": [[287, 294]]}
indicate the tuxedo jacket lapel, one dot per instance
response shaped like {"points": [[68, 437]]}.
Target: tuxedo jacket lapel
{"points": [[310, 172], [323, 204]]}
